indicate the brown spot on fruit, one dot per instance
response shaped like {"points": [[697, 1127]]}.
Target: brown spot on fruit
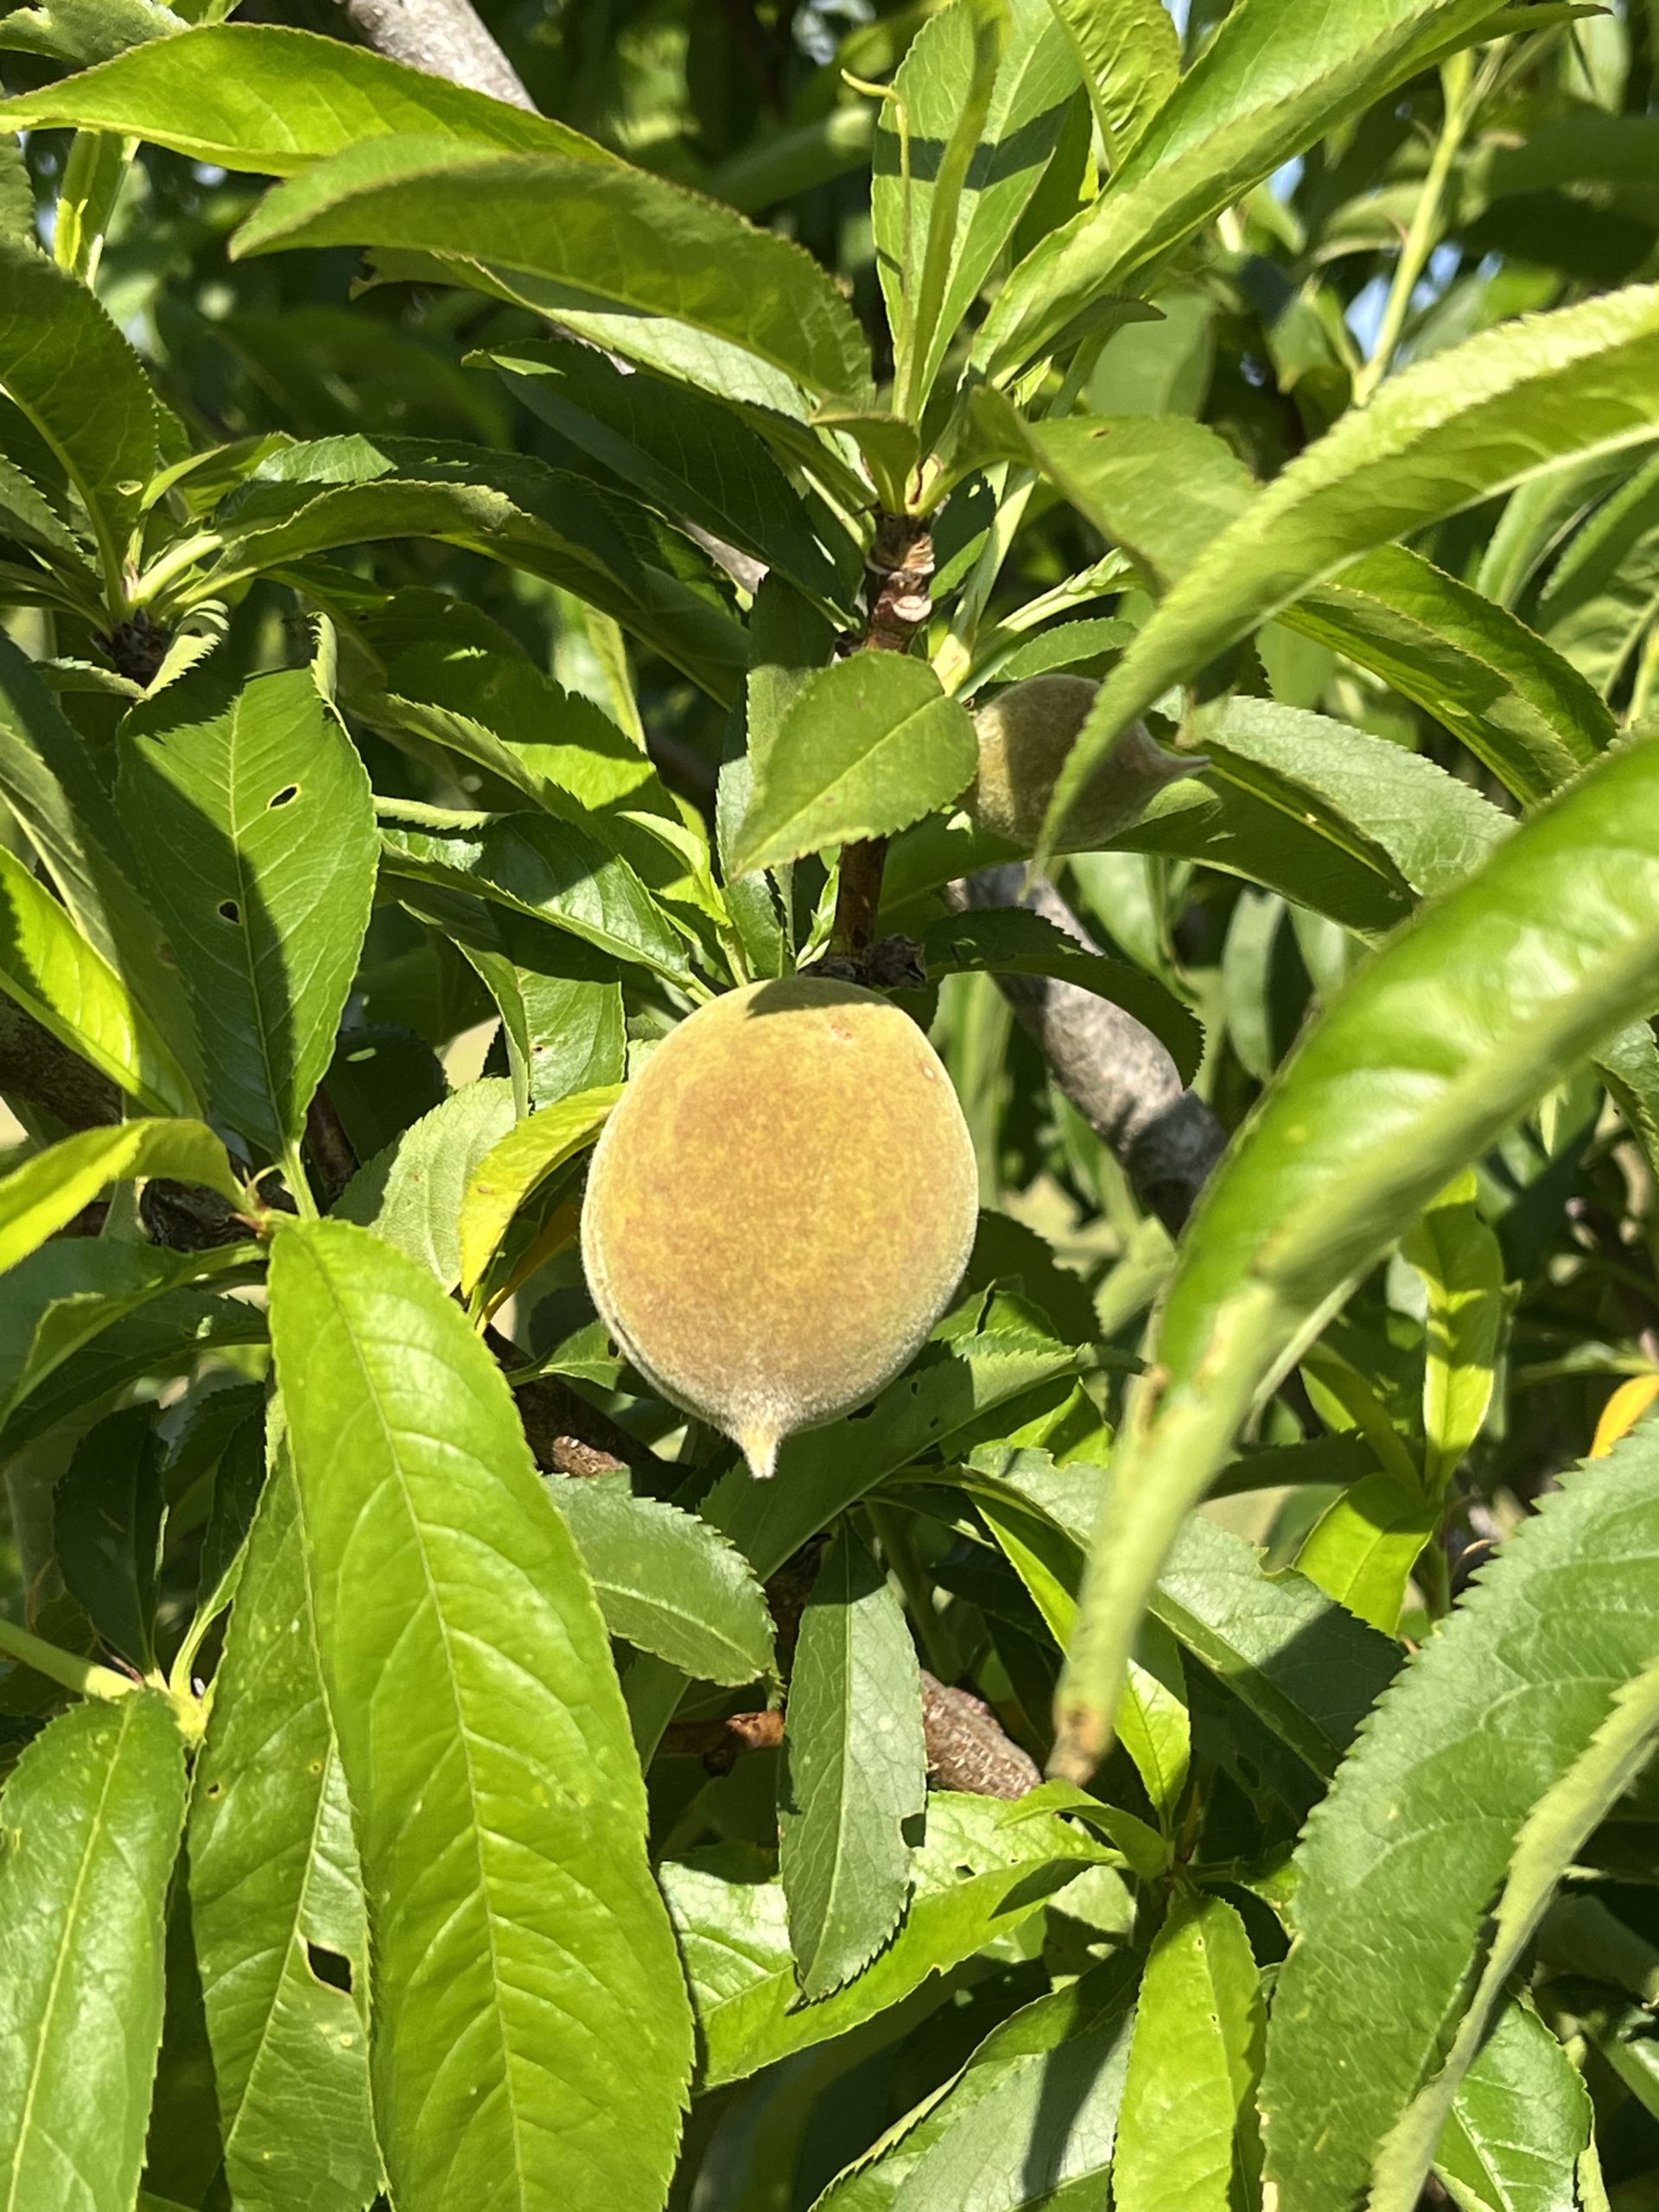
{"points": [[780, 1208]]}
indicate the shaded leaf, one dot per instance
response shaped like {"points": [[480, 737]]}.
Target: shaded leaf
{"points": [[256, 829], [1521, 2122], [412, 1193], [1130, 53], [273, 1873], [984, 1867], [1035, 2110], [517, 1164], [1012, 941], [107, 1522]]}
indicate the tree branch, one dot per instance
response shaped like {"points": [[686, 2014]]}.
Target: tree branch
{"points": [[36, 1068], [966, 1747], [1115, 1072], [444, 38]]}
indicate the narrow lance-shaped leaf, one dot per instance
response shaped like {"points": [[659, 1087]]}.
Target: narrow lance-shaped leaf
{"points": [[107, 1528], [868, 746], [1511, 1694], [1470, 1012], [499, 1809], [1129, 52], [92, 1811], [82, 386], [1488, 414], [856, 1770], [275, 1893], [517, 1164], [1460, 1262], [256, 97], [1186, 2137], [614, 234], [256, 829], [1276, 77]]}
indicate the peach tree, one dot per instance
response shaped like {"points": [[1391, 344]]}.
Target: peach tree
{"points": [[624, 1585]]}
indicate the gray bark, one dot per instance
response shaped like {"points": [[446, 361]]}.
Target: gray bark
{"points": [[444, 38], [1115, 1072]]}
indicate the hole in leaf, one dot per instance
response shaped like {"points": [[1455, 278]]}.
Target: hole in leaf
{"points": [[329, 1966], [231, 911], [216, 1789], [288, 791]]}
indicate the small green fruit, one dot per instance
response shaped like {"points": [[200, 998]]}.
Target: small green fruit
{"points": [[1024, 736], [780, 1208]]}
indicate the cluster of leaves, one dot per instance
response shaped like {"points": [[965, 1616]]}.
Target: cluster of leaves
{"points": [[423, 682]]}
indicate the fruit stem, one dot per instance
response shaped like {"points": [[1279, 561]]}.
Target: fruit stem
{"points": [[898, 569]]}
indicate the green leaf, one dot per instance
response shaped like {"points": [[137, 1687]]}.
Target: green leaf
{"points": [[76, 1368], [1277, 76], [93, 1813], [1012, 941], [1366, 1543], [1521, 2122], [82, 387], [868, 746], [507, 508], [54, 973], [856, 1770], [1034, 2112], [953, 1384], [978, 105], [1556, 1831], [49, 779], [1602, 592], [1487, 414], [499, 1810], [1187, 2138], [1130, 55], [64, 1295], [984, 1867], [107, 1527], [38, 1198], [614, 235], [551, 870], [253, 816], [273, 1879], [411, 1193], [83, 31], [689, 455], [1491, 1712], [252, 97], [667, 1582], [1459, 1260], [519, 1165], [1519, 707], [1421, 1061]]}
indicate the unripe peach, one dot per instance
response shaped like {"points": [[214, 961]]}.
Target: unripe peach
{"points": [[780, 1208], [1025, 735]]}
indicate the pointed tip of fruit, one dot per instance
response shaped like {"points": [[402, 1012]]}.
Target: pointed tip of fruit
{"points": [[760, 1447]]}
